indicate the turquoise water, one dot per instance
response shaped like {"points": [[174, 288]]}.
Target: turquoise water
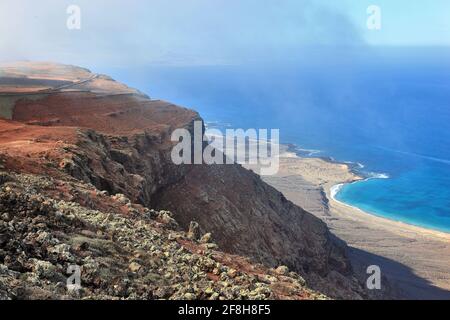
{"points": [[418, 205], [390, 116]]}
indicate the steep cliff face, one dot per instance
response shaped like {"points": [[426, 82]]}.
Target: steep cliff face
{"points": [[120, 143]]}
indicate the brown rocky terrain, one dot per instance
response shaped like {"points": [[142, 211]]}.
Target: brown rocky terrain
{"points": [[88, 137], [130, 252]]}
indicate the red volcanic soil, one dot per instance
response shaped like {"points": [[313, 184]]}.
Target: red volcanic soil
{"points": [[111, 114], [32, 148], [43, 71], [75, 97], [43, 124]]}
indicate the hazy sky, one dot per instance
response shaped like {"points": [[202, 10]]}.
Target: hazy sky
{"points": [[139, 32]]}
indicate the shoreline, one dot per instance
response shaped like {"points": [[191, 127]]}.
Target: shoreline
{"points": [[413, 258], [397, 223], [419, 228], [358, 177], [291, 151]]}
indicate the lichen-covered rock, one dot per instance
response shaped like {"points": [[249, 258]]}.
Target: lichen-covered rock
{"points": [[206, 238], [282, 270], [194, 231], [120, 255]]}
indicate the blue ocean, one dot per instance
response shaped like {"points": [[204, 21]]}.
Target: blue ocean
{"points": [[390, 116]]}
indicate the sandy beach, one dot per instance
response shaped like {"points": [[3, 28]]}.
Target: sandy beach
{"points": [[415, 260]]}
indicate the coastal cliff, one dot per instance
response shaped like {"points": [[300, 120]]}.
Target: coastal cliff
{"points": [[93, 150]]}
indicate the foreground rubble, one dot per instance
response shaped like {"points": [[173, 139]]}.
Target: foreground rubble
{"points": [[125, 252]]}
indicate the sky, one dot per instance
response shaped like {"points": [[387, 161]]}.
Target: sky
{"points": [[205, 32], [404, 22]]}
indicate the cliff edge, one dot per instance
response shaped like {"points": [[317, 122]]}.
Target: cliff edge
{"points": [[89, 135]]}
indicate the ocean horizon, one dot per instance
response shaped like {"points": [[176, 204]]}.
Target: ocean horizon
{"points": [[388, 119]]}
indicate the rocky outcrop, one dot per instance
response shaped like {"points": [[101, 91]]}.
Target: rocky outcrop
{"points": [[127, 252], [120, 144]]}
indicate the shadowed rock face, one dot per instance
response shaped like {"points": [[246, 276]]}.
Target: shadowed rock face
{"points": [[121, 143]]}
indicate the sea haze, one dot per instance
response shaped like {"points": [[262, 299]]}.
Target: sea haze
{"points": [[389, 112]]}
